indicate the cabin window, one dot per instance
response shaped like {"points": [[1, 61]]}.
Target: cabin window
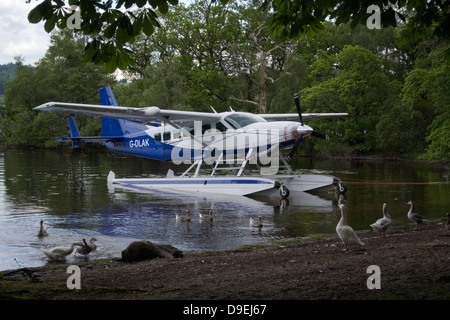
{"points": [[241, 119], [205, 127], [176, 134], [157, 136], [166, 135], [221, 127]]}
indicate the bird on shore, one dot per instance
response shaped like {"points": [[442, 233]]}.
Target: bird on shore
{"points": [[345, 232], [185, 218], [382, 224], [42, 231], [86, 248], [447, 224], [414, 217], [206, 216], [60, 253], [256, 223]]}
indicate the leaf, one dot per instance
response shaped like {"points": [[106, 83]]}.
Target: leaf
{"points": [[163, 7], [50, 24], [35, 16], [147, 26]]}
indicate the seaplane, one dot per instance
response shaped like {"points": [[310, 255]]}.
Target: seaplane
{"points": [[224, 141]]}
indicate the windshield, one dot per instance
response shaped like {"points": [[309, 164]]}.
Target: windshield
{"points": [[239, 119]]}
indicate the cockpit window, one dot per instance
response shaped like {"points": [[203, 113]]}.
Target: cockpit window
{"points": [[239, 119]]}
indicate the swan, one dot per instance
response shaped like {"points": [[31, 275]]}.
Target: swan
{"points": [[414, 217], [206, 216], [257, 223], [382, 224], [42, 231], [60, 253], [345, 232], [186, 217]]}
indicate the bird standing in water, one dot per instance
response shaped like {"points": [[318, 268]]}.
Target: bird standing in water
{"points": [[42, 231]]}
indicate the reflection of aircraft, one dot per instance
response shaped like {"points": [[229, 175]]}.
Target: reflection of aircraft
{"points": [[195, 137]]}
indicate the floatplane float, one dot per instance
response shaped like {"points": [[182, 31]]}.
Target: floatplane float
{"points": [[225, 141]]}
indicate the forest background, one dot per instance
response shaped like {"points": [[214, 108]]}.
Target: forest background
{"points": [[210, 54]]}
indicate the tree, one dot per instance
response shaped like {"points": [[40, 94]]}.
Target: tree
{"points": [[60, 76], [353, 82], [113, 25], [292, 18]]}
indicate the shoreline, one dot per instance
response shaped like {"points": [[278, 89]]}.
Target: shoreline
{"points": [[412, 264]]}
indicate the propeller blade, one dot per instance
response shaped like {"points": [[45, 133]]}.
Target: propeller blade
{"points": [[294, 148], [299, 110], [320, 135]]}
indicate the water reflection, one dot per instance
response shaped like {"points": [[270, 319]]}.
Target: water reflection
{"points": [[69, 191]]}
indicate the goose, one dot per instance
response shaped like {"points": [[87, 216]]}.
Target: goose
{"points": [[186, 217], [414, 217], [42, 231], [382, 224], [60, 253], [84, 249], [257, 223], [206, 216], [345, 232]]}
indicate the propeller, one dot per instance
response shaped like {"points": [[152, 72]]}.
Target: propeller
{"points": [[300, 138]]}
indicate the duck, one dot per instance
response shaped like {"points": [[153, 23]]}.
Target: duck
{"points": [[382, 224], [206, 216], [42, 231], [60, 253], [257, 223], [186, 218], [414, 217], [345, 232]]}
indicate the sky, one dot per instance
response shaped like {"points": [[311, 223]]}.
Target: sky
{"points": [[18, 36]]}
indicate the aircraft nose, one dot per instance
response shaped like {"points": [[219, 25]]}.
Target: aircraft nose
{"points": [[304, 130]]}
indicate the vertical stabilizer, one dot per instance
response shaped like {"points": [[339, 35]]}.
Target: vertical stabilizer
{"points": [[111, 127], [74, 134]]}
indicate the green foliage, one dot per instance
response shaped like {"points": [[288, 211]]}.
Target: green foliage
{"points": [[60, 76]]}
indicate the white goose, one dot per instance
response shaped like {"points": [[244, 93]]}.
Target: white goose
{"points": [[206, 216], [60, 253], [185, 218], [382, 224], [257, 223], [414, 217], [345, 232], [42, 231]]}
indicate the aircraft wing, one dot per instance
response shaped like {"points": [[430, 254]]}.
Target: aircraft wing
{"points": [[126, 113], [305, 116]]}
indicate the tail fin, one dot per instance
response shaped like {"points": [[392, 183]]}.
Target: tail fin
{"points": [[111, 127], [74, 134]]}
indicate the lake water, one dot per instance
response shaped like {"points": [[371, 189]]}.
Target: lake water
{"points": [[68, 190]]}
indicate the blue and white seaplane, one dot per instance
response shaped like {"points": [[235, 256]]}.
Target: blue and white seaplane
{"points": [[226, 141]]}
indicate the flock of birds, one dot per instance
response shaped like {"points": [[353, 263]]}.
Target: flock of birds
{"points": [[344, 231], [59, 253], [349, 237]]}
